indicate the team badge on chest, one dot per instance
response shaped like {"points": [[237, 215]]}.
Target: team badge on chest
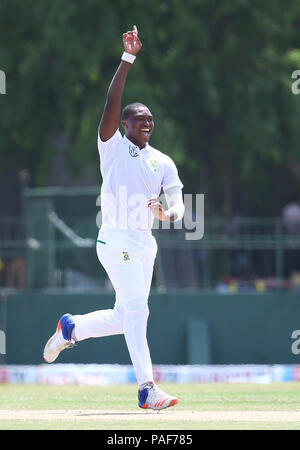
{"points": [[126, 256], [133, 151]]}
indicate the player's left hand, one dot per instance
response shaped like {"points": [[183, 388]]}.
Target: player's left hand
{"points": [[157, 209], [131, 41]]}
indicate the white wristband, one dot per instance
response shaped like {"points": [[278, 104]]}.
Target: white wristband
{"points": [[128, 57]]}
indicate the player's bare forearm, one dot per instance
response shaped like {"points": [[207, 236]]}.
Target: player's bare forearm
{"points": [[110, 119], [117, 84]]}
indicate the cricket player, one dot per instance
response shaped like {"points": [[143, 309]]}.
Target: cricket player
{"points": [[134, 173]]}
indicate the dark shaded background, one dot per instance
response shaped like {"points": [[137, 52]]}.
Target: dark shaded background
{"points": [[216, 75]]}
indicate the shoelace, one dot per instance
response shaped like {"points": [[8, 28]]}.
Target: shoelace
{"points": [[148, 385], [71, 344]]}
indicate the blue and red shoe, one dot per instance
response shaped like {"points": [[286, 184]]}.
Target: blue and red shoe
{"points": [[150, 396], [61, 339]]}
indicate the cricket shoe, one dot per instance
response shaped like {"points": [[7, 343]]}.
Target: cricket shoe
{"points": [[153, 398], [61, 339]]}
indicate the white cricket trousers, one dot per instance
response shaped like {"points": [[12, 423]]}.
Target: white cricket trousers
{"points": [[128, 258]]}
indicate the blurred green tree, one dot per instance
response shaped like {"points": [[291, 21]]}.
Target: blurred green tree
{"points": [[216, 75]]}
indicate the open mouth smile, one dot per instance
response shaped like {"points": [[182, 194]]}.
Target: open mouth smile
{"points": [[145, 130]]}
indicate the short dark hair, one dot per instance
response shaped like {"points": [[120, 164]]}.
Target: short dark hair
{"points": [[127, 110]]}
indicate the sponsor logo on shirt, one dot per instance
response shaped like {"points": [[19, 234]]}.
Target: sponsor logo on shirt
{"points": [[153, 164]]}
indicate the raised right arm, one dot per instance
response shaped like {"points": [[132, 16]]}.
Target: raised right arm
{"points": [[110, 119]]}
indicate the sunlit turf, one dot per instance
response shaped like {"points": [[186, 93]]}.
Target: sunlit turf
{"points": [[199, 397], [192, 397]]}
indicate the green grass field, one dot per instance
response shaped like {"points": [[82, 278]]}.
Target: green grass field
{"points": [[201, 406]]}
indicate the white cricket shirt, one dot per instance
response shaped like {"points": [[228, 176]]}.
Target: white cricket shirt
{"points": [[131, 177]]}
